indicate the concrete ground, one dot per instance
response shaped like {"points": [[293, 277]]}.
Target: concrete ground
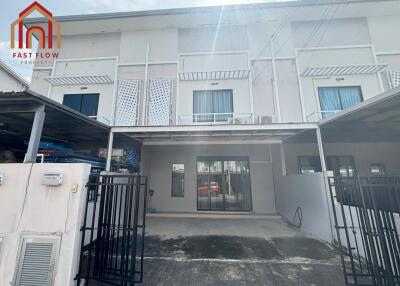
{"points": [[235, 251]]}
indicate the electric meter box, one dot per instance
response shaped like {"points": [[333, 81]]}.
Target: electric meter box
{"points": [[52, 178]]}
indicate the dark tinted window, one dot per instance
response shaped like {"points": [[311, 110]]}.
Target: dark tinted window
{"points": [[84, 103]]}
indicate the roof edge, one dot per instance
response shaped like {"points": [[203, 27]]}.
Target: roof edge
{"points": [[200, 9], [14, 74]]}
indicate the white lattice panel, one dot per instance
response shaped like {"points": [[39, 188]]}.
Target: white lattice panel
{"points": [[159, 101], [127, 102], [394, 78]]}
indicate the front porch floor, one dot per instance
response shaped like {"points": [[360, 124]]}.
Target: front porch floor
{"points": [[235, 251]]}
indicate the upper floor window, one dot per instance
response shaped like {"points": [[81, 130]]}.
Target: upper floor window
{"points": [[84, 103], [212, 105], [333, 99]]}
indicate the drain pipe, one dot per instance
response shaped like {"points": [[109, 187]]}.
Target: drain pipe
{"points": [[324, 172], [146, 85]]}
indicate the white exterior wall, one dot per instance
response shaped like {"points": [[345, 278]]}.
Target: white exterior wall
{"points": [[157, 165], [364, 155], [309, 36], [88, 67], [29, 208]]}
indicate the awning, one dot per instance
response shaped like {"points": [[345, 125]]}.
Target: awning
{"points": [[78, 80], [343, 70], [215, 134], [215, 75]]}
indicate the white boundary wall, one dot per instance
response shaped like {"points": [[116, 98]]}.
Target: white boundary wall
{"points": [[30, 208], [306, 191]]}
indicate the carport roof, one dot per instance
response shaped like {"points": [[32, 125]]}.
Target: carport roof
{"points": [[217, 134], [373, 120], [61, 124]]}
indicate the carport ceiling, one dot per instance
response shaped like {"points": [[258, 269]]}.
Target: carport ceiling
{"points": [[61, 125], [193, 134]]}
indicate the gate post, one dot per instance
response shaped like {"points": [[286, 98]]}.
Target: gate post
{"points": [[109, 151], [326, 183], [36, 133]]}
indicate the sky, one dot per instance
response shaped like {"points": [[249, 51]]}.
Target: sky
{"points": [[9, 11]]}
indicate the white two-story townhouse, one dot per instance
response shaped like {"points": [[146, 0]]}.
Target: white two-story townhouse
{"points": [[212, 93]]}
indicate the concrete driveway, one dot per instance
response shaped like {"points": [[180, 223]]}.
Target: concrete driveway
{"points": [[235, 251]]}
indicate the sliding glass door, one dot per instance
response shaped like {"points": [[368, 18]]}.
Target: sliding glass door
{"points": [[223, 184]]}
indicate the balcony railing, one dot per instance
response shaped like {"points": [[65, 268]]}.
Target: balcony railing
{"points": [[215, 118], [318, 115]]}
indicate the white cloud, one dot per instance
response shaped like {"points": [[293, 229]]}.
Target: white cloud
{"points": [[25, 70]]}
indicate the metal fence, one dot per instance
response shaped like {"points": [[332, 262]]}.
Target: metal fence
{"points": [[113, 231], [366, 214]]}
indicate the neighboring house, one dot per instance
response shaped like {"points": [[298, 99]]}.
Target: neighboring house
{"points": [[10, 80], [213, 92]]}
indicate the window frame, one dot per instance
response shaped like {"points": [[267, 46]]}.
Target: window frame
{"points": [[313, 157], [223, 117], [382, 168], [82, 95], [337, 173], [338, 87], [173, 194]]}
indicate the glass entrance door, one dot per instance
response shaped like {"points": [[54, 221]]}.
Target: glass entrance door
{"points": [[223, 184]]}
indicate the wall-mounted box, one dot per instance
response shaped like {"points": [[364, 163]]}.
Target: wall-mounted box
{"points": [[52, 178]]}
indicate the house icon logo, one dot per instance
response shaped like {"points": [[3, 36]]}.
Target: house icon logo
{"points": [[52, 25]]}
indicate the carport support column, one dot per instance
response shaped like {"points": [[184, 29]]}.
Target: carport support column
{"points": [[109, 151], [36, 133], [324, 172]]}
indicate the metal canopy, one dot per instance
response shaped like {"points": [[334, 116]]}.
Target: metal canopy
{"points": [[215, 75], [343, 70], [215, 134], [374, 120], [62, 125], [78, 80]]}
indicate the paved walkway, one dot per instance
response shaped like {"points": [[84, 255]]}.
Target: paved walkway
{"points": [[235, 251]]}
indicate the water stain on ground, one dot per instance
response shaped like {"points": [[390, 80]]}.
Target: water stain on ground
{"points": [[235, 247]]}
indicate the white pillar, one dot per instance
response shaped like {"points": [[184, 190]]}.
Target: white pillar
{"points": [[109, 151], [36, 134], [275, 83], [282, 149], [326, 184]]}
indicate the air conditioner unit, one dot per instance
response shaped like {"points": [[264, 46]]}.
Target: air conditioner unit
{"points": [[264, 119]]}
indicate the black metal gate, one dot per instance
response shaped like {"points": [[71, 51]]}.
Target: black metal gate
{"points": [[113, 231], [366, 213]]}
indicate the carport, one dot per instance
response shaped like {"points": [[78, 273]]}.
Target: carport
{"points": [[364, 200], [27, 118], [30, 117]]}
